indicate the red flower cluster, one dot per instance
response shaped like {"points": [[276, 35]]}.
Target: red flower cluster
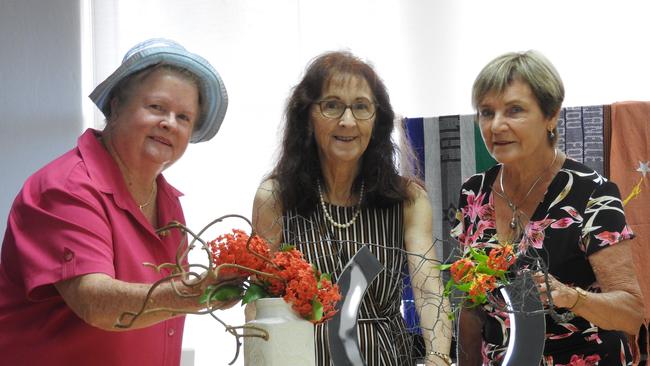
{"points": [[306, 288], [288, 274], [231, 248]]}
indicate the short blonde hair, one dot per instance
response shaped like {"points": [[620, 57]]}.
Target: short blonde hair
{"points": [[530, 67]]}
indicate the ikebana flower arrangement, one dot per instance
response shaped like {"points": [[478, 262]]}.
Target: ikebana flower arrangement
{"points": [[477, 273], [283, 274], [256, 273]]}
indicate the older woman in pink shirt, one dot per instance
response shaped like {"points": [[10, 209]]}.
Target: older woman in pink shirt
{"points": [[81, 227]]}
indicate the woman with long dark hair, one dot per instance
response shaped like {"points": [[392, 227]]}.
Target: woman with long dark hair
{"points": [[335, 188]]}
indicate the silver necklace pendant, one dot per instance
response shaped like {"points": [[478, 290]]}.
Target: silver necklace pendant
{"points": [[513, 223]]}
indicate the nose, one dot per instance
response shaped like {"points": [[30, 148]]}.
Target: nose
{"points": [[498, 122], [347, 119], [169, 121]]}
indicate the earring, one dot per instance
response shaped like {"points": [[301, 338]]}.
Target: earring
{"points": [[551, 135]]}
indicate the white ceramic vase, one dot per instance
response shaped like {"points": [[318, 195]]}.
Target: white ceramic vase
{"points": [[291, 338]]}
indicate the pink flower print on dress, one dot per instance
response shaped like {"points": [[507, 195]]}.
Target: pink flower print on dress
{"points": [[581, 360], [573, 212], [534, 234], [487, 212], [474, 207], [613, 237], [594, 338], [562, 223]]}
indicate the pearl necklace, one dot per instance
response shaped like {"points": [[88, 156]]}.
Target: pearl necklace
{"points": [[151, 196], [513, 207], [327, 213]]}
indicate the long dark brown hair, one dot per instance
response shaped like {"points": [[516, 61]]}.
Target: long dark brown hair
{"points": [[298, 168]]}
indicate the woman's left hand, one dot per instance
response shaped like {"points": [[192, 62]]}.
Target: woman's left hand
{"points": [[563, 296]]}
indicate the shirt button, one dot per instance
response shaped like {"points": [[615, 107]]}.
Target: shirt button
{"points": [[67, 255], [171, 332]]}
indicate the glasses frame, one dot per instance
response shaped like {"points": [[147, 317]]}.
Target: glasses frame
{"points": [[347, 106]]}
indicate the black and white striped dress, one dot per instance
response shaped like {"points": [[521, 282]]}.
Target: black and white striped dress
{"points": [[382, 332]]}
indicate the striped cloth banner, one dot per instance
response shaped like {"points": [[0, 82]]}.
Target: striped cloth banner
{"points": [[581, 135], [449, 150]]}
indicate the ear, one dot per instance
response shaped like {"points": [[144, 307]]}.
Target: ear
{"points": [[551, 123]]}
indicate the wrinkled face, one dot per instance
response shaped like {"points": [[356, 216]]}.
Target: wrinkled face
{"points": [[513, 126], [346, 138], [155, 124]]}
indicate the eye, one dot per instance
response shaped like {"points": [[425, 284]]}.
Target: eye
{"points": [[156, 107], [516, 109], [331, 104], [361, 106], [485, 113], [184, 117]]}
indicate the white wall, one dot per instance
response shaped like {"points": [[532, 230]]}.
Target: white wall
{"points": [[40, 88], [427, 51], [599, 47]]}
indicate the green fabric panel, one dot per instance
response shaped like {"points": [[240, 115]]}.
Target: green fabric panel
{"points": [[484, 160]]}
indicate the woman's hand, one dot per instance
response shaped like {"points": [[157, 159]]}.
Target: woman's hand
{"points": [[620, 293], [563, 296]]}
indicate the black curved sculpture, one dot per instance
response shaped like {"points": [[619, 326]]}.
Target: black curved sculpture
{"points": [[527, 322], [357, 275]]}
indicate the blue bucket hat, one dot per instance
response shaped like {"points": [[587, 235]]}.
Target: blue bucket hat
{"points": [[214, 98]]}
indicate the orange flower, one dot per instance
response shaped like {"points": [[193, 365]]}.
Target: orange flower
{"points": [[501, 258], [477, 273], [481, 285], [462, 269]]}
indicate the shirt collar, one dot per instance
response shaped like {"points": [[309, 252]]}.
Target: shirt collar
{"points": [[105, 173]]}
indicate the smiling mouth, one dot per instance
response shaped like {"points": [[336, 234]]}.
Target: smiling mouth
{"points": [[161, 140], [344, 138], [502, 143]]}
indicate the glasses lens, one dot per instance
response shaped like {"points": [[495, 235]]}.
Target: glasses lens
{"points": [[363, 109], [332, 108]]}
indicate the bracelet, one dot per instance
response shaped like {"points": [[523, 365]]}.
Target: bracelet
{"points": [[442, 356], [582, 295]]}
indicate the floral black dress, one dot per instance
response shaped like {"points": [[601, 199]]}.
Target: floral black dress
{"points": [[581, 213]]}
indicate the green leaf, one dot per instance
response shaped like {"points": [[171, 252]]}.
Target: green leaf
{"points": [[227, 293], [479, 256], [483, 268], [444, 267], [317, 310], [206, 294], [221, 293], [253, 293], [285, 247], [449, 285]]}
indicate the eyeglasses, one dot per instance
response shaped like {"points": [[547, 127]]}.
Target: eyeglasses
{"points": [[361, 109]]}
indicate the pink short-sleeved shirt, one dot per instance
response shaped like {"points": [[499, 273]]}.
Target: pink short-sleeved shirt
{"points": [[75, 217]]}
